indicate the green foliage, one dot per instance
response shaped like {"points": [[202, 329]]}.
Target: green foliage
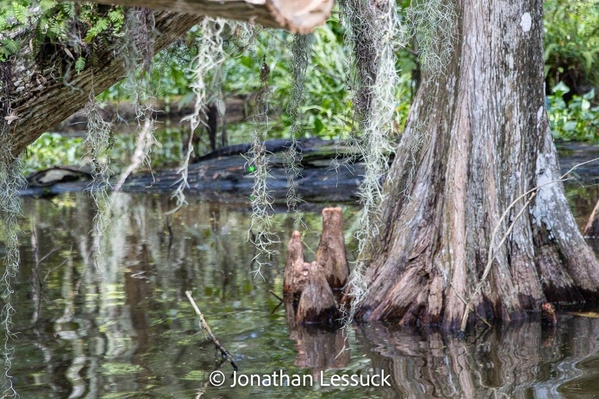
{"points": [[80, 64], [572, 41], [577, 119], [53, 149], [61, 24]]}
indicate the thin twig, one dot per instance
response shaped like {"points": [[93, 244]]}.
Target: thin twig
{"points": [[276, 296], [203, 325]]}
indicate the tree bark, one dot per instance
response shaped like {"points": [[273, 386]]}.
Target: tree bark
{"points": [[296, 270], [480, 135], [331, 249], [317, 303]]}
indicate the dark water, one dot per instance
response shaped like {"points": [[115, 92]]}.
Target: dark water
{"points": [[118, 325]]}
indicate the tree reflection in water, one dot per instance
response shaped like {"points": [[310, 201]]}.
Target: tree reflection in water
{"points": [[518, 361], [124, 328]]}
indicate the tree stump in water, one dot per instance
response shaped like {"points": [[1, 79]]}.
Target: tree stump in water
{"points": [[331, 249], [308, 287], [296, 273], [317, 303]]}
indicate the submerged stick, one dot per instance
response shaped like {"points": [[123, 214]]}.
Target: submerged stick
{"points": [[203, 325]]}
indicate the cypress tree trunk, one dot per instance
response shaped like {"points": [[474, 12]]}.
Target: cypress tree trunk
{"points": [[477, 139]]}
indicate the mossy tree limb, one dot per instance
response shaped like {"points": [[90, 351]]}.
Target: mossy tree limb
{"points": [[40, 98], [297, 16]]}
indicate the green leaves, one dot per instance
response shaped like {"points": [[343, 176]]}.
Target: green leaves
{"points": [[576, 120], [571, 40], [8, 47], [99, 26], [79, 64], [20, 12]]}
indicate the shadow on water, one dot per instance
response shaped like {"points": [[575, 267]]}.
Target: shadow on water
{"points": [[122, 327]]}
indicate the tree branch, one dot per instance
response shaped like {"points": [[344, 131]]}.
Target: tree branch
{"points": [[297, 16], [42, 97]]}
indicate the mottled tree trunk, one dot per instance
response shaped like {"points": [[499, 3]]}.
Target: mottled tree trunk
{"points": [[477, 139]]}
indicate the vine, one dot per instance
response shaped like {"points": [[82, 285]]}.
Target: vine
{"points": [[11, 181], [10, 207], [98, 138], [433, 23], [137, 51]]}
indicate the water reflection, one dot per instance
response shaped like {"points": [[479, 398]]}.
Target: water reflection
{"points": [[120, 325]]}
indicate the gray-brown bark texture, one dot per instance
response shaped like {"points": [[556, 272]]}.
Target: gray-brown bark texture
{"points": [[477, 139]]}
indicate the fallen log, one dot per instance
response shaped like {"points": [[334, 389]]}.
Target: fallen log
{"points": [[125, 113], [57, 174], [330, 174]]}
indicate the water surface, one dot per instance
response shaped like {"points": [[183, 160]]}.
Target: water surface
{"points": [[117, 323]]}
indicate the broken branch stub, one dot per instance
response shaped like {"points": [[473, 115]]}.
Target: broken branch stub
{"points": [[300, 16], [331, 249], [592, 227]]}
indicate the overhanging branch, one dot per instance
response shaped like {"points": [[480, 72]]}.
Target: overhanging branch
{"points": [[41, 99], [297, 16]]}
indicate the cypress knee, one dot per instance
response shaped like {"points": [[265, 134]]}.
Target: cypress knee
{"points": [[295, 272], [331, 249], [317, 302]]}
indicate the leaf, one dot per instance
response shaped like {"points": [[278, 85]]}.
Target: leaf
{"points": [[80, 64], [9, 46], [20, 12], [590, 95], [570, 126], [560, 89], [318, 126], [100, 26]]}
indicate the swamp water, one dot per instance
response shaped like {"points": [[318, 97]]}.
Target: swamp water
{"points": [[119, 325]]}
